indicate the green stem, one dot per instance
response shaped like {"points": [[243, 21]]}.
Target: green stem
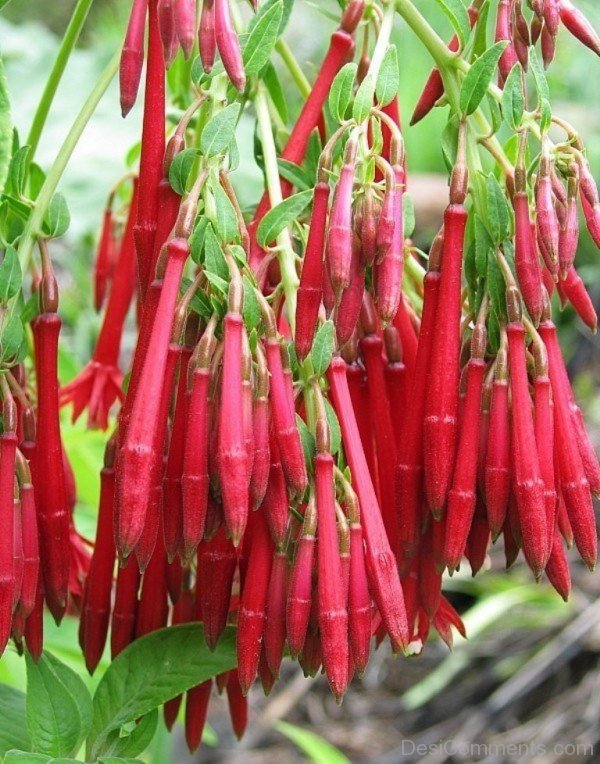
{"points": [[33, 226], [293, 68], [64, 52]]}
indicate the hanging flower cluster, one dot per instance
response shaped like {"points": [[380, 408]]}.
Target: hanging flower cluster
{"points": [[319, 419]]}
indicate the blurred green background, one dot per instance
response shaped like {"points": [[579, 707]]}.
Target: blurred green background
{"points": [[510, 620]]}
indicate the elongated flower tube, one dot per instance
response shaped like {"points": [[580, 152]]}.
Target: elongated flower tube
{"points": [[528, 484], [347, 311], [132, 56], [503, 32], [440, 425], [217, 563], [497, 462], [339, 234], [359, 598], [546, 220], [579, 26], [311, 278], [261, 424], [275, 624], [569, 231], [388, 274], [409, 468], [299, 597], [196, 707], [544, 438], [31, 551], [207, 41], [135, 475], [228, 44], [124, 614], [98, 585], [185, 24], [8, 574], [102, 264], [253, 601], [462, 496], [381, 565]]}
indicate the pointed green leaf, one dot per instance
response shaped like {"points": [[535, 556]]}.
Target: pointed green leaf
{"points": [[363, 101], [281, 216], [11, 277], [220, 131], [214, 259], [458, 17], [180, 169], [479, 76], [388, 80], [322, 349], [262, 37], [151, 671], [58, 218], [498, 212], [341, 91], [13, 728], [226, 221], [513, 99]]}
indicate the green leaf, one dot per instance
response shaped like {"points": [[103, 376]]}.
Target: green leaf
{"points": [[497, 209], [541, 83], [458, 17], [214, 259], [13, 335], [341, 92], [219, 284], [272, 82], [513, 99], [23, 757], [363, 101], [317, 750], [280, 216], [151, 671], [335, 431], [196, 240], [36, 180], [5, 128], [180, 169], [58, 706], [58, 218], [450, 144], [220, 131], [388, 80], [11, 277], [13, 728], [322, 349], [251, 309], [483, 246], [480, 41], [307, 439], [200, 303], [262, 37], [295, 174], [496, 286], [226, 220], [478, 78], [16, 171]]}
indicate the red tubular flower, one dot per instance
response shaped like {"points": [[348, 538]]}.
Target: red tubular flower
{"points": [[430, 579], [381, 564], [8, 574], [153, 149], [339, 233], [569, 231], [526, 261], [503, 32], [95, 614], [185, 24], [385, 445], [196, 708], [497, 463], [31, 554], [261, 424], [238, 704], [299, 598], [153, 608], [166, 217], [388, 274], [461, 499], [275, 624], [253, 601], [479, 539], [408, 336], [124, 614], [172, 483], [440, 427], [132, 57], [99, 384], [592, 219], [359, 600], [573, 481], [544, 438], [546, 220], [528, 485], [332, 609], [102, 265], [217, 563], [275, 502], [284, 421], [386, 224], [348, 309], [409, 468], [557, 568], [138, 455], [311, 278], [34, 625], [371, 213], [396, 382], [359, 395], [228, 45], [579, 26], [50, 490], [166, 19], [207, 42], [232, 458]]}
